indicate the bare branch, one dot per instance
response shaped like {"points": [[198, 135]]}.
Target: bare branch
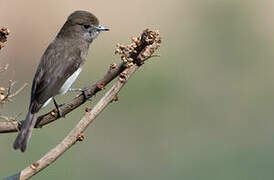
{"points": [[129, 55], [113, 72], [76, 134], [5, 98], [5, 95], [10, 120], [17, 91]]}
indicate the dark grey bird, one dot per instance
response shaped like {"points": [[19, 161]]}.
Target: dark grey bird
{"points": [[59, 67]]}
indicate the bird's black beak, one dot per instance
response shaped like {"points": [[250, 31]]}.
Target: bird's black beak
{"points": [[102, 28]]}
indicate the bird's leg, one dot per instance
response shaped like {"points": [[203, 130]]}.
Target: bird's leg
{"points": [[78, 90], [60, 113], [83, 90]]}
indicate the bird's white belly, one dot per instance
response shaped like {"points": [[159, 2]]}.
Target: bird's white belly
{"points": [[47, 102], [66, 85], [70, 81]]}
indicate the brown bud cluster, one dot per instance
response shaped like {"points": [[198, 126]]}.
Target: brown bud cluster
{"points": [[4, 32], [141, 48], [153, 40], [126, 52]]}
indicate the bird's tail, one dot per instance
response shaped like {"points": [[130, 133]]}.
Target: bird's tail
{"points": [[23, 136]]}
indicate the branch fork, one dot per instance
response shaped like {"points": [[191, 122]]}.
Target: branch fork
{"points": [[135, 54]]}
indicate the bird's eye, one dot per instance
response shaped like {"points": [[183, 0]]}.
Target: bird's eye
{"points": [[86, 26]]}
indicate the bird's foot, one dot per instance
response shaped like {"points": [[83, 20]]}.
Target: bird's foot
{"points": [[58, 107], [83, 90], [78, 90]]}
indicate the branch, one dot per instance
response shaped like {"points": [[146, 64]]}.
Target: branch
{"points": [[76, 134], [128, 56], [114, 71], [4, 32]]}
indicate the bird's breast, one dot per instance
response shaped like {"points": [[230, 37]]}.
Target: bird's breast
{"points": [[70, 81]]}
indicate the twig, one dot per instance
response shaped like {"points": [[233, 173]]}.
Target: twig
{"points": [[76, 134], [3, 69], [4, 32], [18, 91], [10, 120], [5, 98]]}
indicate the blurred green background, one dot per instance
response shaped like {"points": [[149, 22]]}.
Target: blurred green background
{"points": [[203, 110]]}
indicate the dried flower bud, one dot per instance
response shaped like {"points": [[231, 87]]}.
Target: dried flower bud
{"points": [[88, 109], [123, 77], [5, 31], [101, 86], [116, 98], [54, 112], [80, 137], [113, 66], [124, 59], [129, 64], [35, 165], [134, 39], [2, 90]]}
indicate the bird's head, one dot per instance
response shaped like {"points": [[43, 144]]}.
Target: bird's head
{"points": [[83, 25]]}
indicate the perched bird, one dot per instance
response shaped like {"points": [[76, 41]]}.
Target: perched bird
{"points": [[59, 67]]}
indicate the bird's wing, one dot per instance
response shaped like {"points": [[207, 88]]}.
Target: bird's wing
{"points": [[57, 64]]}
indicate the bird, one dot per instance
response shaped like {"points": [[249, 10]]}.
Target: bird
{"points": [[59, 67]]}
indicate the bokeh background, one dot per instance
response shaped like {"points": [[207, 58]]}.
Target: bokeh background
{"points": [[203, 110]]}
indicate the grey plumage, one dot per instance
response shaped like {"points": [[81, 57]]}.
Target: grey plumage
{"points": [[63, 57]]}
